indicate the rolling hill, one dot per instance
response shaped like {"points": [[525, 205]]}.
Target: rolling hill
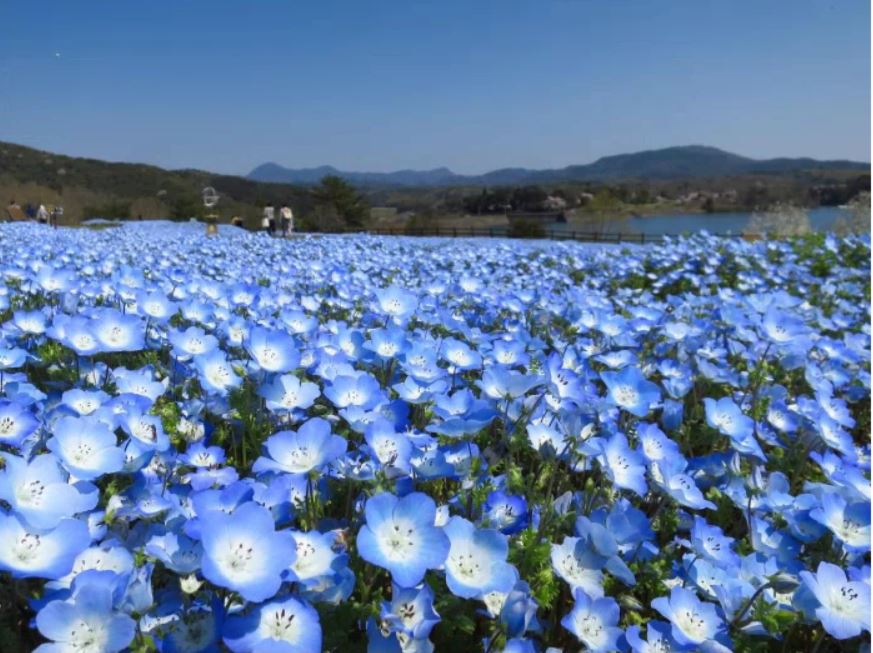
{"points": [[94, 188], [683, 162]]}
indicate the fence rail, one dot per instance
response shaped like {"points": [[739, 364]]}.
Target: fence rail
{"points": [[500, 232]]}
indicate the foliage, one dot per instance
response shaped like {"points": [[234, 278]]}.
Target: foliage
{"points": [[334, 196]]}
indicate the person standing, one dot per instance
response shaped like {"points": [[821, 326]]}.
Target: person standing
{"points": [[265, 218], [269, 221], [42, 214], [55, 215], [287, 220]]}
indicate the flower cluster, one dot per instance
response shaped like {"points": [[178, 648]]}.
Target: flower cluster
{"points": [[361, 443]]}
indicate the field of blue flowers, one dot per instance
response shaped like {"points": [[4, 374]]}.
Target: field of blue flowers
{"points": [[377, 444]]}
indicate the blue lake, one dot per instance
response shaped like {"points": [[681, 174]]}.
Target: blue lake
{"points": [[674, 224]]}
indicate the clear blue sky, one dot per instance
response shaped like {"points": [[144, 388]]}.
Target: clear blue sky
{"points": [[470, 84]]}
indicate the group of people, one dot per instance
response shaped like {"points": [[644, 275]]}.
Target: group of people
{"points": [[284, 226], [50, 215]]}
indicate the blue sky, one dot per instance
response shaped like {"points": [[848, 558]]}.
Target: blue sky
{"points": [[470, 84]]}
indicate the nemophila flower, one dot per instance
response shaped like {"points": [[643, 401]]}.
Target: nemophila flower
{"points": [[833, 435], [311, 446], [315, 555], [624, 466], [509, 352], [414, 392], [712, 544], [675, 478], [579, 565], [476, 562], [516, 610], [410, 611], [782, 327], [849, 522], [138, 382], [505, 512], [594, 622], [286, 392], [547, 440], [106, 557], [30, 322], [199, 455], [12, 358], [155, 305], [390, 448], [55, 280], [216, 374], [459, 355], [678, 379], [175, 551], [84, 402], [285, 626], [462, 414], [431, 464], [16, 423], [501, 382], [227, 500], [117, 332], [834, 407], [361, 390], [390, 342], [600, 541], [693, 621], [193, 341], [234, 330], [780, 417], [76, 332], [298, 322], [196, 311], [655, 445], [629, 526], [86, 447], [28, 552], [39, 492], [146, 429], [395, 302], [726, 417], [631, 391], [86, 622], [331, 589], [272, 351], [400, 536], [844, 605], [243, 552], [420, 363]]}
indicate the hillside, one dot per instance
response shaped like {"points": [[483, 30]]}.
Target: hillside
{"points": [[93, 188], [684, 162]]}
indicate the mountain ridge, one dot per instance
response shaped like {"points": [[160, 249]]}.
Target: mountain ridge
{"points": [[682, 161]]}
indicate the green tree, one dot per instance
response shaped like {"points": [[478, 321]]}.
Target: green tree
{"points": [[334, 194], [187, 207]]}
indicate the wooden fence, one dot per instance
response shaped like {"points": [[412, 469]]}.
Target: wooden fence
{"points": [[502, 232]]}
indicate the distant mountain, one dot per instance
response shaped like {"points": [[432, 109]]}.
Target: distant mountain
{"points": [[668, 163], [273, 172]]}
